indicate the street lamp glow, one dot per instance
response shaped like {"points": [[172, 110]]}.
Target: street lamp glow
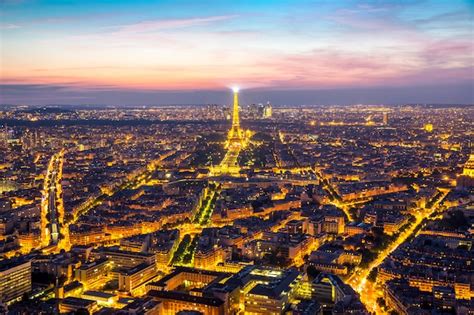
{"points": [[235, 89]]}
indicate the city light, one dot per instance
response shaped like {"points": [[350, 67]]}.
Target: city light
{"points": [[252, 158]]}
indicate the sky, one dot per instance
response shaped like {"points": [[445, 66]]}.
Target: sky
{"points": [[291, 52]]}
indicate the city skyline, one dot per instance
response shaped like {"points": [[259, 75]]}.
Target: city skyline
{"points": [[253, 157], [244, 210], [296, 53]]}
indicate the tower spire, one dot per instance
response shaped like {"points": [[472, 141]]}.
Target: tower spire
{"points": [[235, 133], [235, 110]]}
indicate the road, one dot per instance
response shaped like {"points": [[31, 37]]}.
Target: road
{"points": [[336, 199], [203, 215], [358, 280], [52, 209]]}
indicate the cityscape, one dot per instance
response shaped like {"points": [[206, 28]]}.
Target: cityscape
{"points": [[128, 193]]}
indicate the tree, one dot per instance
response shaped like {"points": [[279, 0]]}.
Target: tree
{"points": [[381, 302], [312, 272], [82, 311], [25, 297], [373, 275]]}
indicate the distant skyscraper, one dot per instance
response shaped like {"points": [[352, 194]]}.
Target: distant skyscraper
{"points": [[267, 111], [253, 111], [385, 118]]}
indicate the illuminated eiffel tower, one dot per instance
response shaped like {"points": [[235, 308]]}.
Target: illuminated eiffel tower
{"points": [[236, 135], [237, 139]]}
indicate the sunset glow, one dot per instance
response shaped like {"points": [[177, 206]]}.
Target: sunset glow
{"points": [[140, 45]]}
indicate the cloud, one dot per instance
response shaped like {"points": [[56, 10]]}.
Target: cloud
{"points": [[158, 25], [454, 16], [447, 53], [8, 26], [362, 45]]}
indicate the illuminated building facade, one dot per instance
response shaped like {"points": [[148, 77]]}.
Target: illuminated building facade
{"points": [[130, 280], [424, 283], [333, 224], [466, 179], [267, 111], [15, 280], [468, 169], [28, 242], [73, 304], [175, 302], [91, 273], [172, 289], [253, 290], [329, 289], [208, 257], [125, 259]]}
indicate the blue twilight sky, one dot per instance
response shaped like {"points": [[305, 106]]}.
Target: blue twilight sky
{"points": [[288, 52]]}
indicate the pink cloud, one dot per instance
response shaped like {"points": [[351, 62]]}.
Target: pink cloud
{"points": [[446, 52]]}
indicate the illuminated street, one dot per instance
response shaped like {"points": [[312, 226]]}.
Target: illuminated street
{"points": [[358, 280], [54, 232]]}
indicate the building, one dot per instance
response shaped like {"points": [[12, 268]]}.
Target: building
{"points": [[330, 291], [333, 224], [102, 298], [28, 241], [15, 280], [297, 227], [404, 299], [175, 301], [253, 290], [270, 291], [185, 290], [267, 111], [73, 304], [355, 228], [130, 280], [145, 306], [466, 179], [91, 273], [208, 257], [121, 258]]}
